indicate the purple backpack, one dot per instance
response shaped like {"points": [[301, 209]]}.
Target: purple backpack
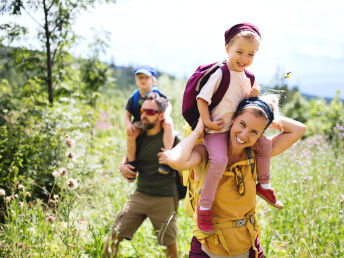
{"points": [[195, 84]]}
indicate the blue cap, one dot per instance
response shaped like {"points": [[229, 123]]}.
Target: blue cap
{"points": [[145, 69]]}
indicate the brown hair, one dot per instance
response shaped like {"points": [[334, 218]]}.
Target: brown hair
{"points": [[160, 101]]}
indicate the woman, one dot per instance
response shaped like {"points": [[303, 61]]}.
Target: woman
{"points": [[233, 212]]}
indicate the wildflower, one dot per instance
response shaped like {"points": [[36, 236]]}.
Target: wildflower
{"points": [[20, 204], [72, 184], [16, 195], [287, 76], [28, 194], [69, 142], [21, 187], [9, 198], [2, 192], [52, 202], [71, 155], [63, 172], [341, 198], [55, 196], [56, 173], [50, 219]]}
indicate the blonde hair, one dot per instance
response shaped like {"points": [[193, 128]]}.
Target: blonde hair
{"points": [[246, 34]]}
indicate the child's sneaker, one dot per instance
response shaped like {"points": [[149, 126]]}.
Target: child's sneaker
{"points": [[164, 169], [204, 221], [269, 196]]}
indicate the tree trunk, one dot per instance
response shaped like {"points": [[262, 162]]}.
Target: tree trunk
{"points": [[48, 52]]}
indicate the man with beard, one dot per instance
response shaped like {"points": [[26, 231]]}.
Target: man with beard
{"points": [[156, 195]]}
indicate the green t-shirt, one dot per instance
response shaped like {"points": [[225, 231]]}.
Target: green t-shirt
{"points": [[150, 181]]}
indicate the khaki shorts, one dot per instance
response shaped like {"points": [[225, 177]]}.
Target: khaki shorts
{"points": [[159, 210]]}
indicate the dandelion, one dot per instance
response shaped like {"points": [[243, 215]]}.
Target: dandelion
{"points": [[21, 187], [50, 219], [2, 192], [287, 76], [63, 172], [72, 184]]}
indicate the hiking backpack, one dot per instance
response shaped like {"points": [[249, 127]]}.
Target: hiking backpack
{"points": [[194, 85]]}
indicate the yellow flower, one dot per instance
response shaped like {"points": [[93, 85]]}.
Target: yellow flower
{"points": [[287, 76]]}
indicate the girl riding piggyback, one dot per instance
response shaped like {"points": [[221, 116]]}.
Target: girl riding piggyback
{"points": [[241, 42]]}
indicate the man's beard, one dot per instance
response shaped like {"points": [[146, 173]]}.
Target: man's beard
{"points": [[145, 126]]}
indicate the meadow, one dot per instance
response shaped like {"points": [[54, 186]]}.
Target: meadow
{"points": [[75, 220]]}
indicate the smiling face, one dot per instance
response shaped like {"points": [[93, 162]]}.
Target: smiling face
{"points": [[246, 130], [241, 53], [144, 82]]}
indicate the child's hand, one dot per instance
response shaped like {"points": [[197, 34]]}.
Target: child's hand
{"points": [[254, 92], [167, 123], [131, 130], [215, 125]]}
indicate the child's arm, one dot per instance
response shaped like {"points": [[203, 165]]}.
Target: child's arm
{"points": [[203, 109]]}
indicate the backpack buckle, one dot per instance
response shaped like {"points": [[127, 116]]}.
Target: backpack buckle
{"points": [[240, 223]]}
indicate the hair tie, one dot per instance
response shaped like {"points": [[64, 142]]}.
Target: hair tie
{"points": [[257, 102], [231, 32]]}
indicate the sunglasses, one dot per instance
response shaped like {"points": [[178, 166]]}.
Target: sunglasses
{"points": [[149, 112], [239, 180]]}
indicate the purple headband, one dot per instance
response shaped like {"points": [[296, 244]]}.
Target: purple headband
{"points": [[231, 32]]}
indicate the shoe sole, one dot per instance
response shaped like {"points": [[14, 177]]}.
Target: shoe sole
{"points": [[264, 198], [206, 232]]}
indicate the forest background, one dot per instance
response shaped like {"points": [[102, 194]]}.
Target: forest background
{"points": [[62, 138]]}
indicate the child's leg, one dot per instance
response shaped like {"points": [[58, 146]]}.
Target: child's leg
{"points": [[216, 145], [263, 148], [168, 136], [131, 145]]}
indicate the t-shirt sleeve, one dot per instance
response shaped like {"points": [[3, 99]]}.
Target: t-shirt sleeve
{"points": [[209, 89], [129, 106]]}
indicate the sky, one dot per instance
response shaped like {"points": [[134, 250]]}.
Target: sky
{"points": [[305, 37]]}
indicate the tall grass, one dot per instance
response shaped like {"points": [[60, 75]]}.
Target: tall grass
{"points": [[308, 178]]}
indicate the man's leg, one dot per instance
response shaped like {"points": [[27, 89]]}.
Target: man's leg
{"points": [[172, 250], [114, 247], [126, 223], [163, 215]]}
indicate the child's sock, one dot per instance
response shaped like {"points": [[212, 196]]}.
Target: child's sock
{"points": [[266, 186], [203, 209]]}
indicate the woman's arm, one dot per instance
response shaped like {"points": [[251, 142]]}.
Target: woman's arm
{"points": [[185, 155], [291, 131]]}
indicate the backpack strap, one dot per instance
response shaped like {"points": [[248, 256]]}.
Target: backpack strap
{"points": [[224, 84], [250, 158], [136, 96], [250, 76]]}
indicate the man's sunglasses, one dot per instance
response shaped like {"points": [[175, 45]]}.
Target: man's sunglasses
{"points": [[149, 112]]}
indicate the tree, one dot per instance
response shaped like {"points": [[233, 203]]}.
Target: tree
{"points": [[55, 32]]}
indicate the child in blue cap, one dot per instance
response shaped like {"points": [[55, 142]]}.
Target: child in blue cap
{"points": [[145, 77]]}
